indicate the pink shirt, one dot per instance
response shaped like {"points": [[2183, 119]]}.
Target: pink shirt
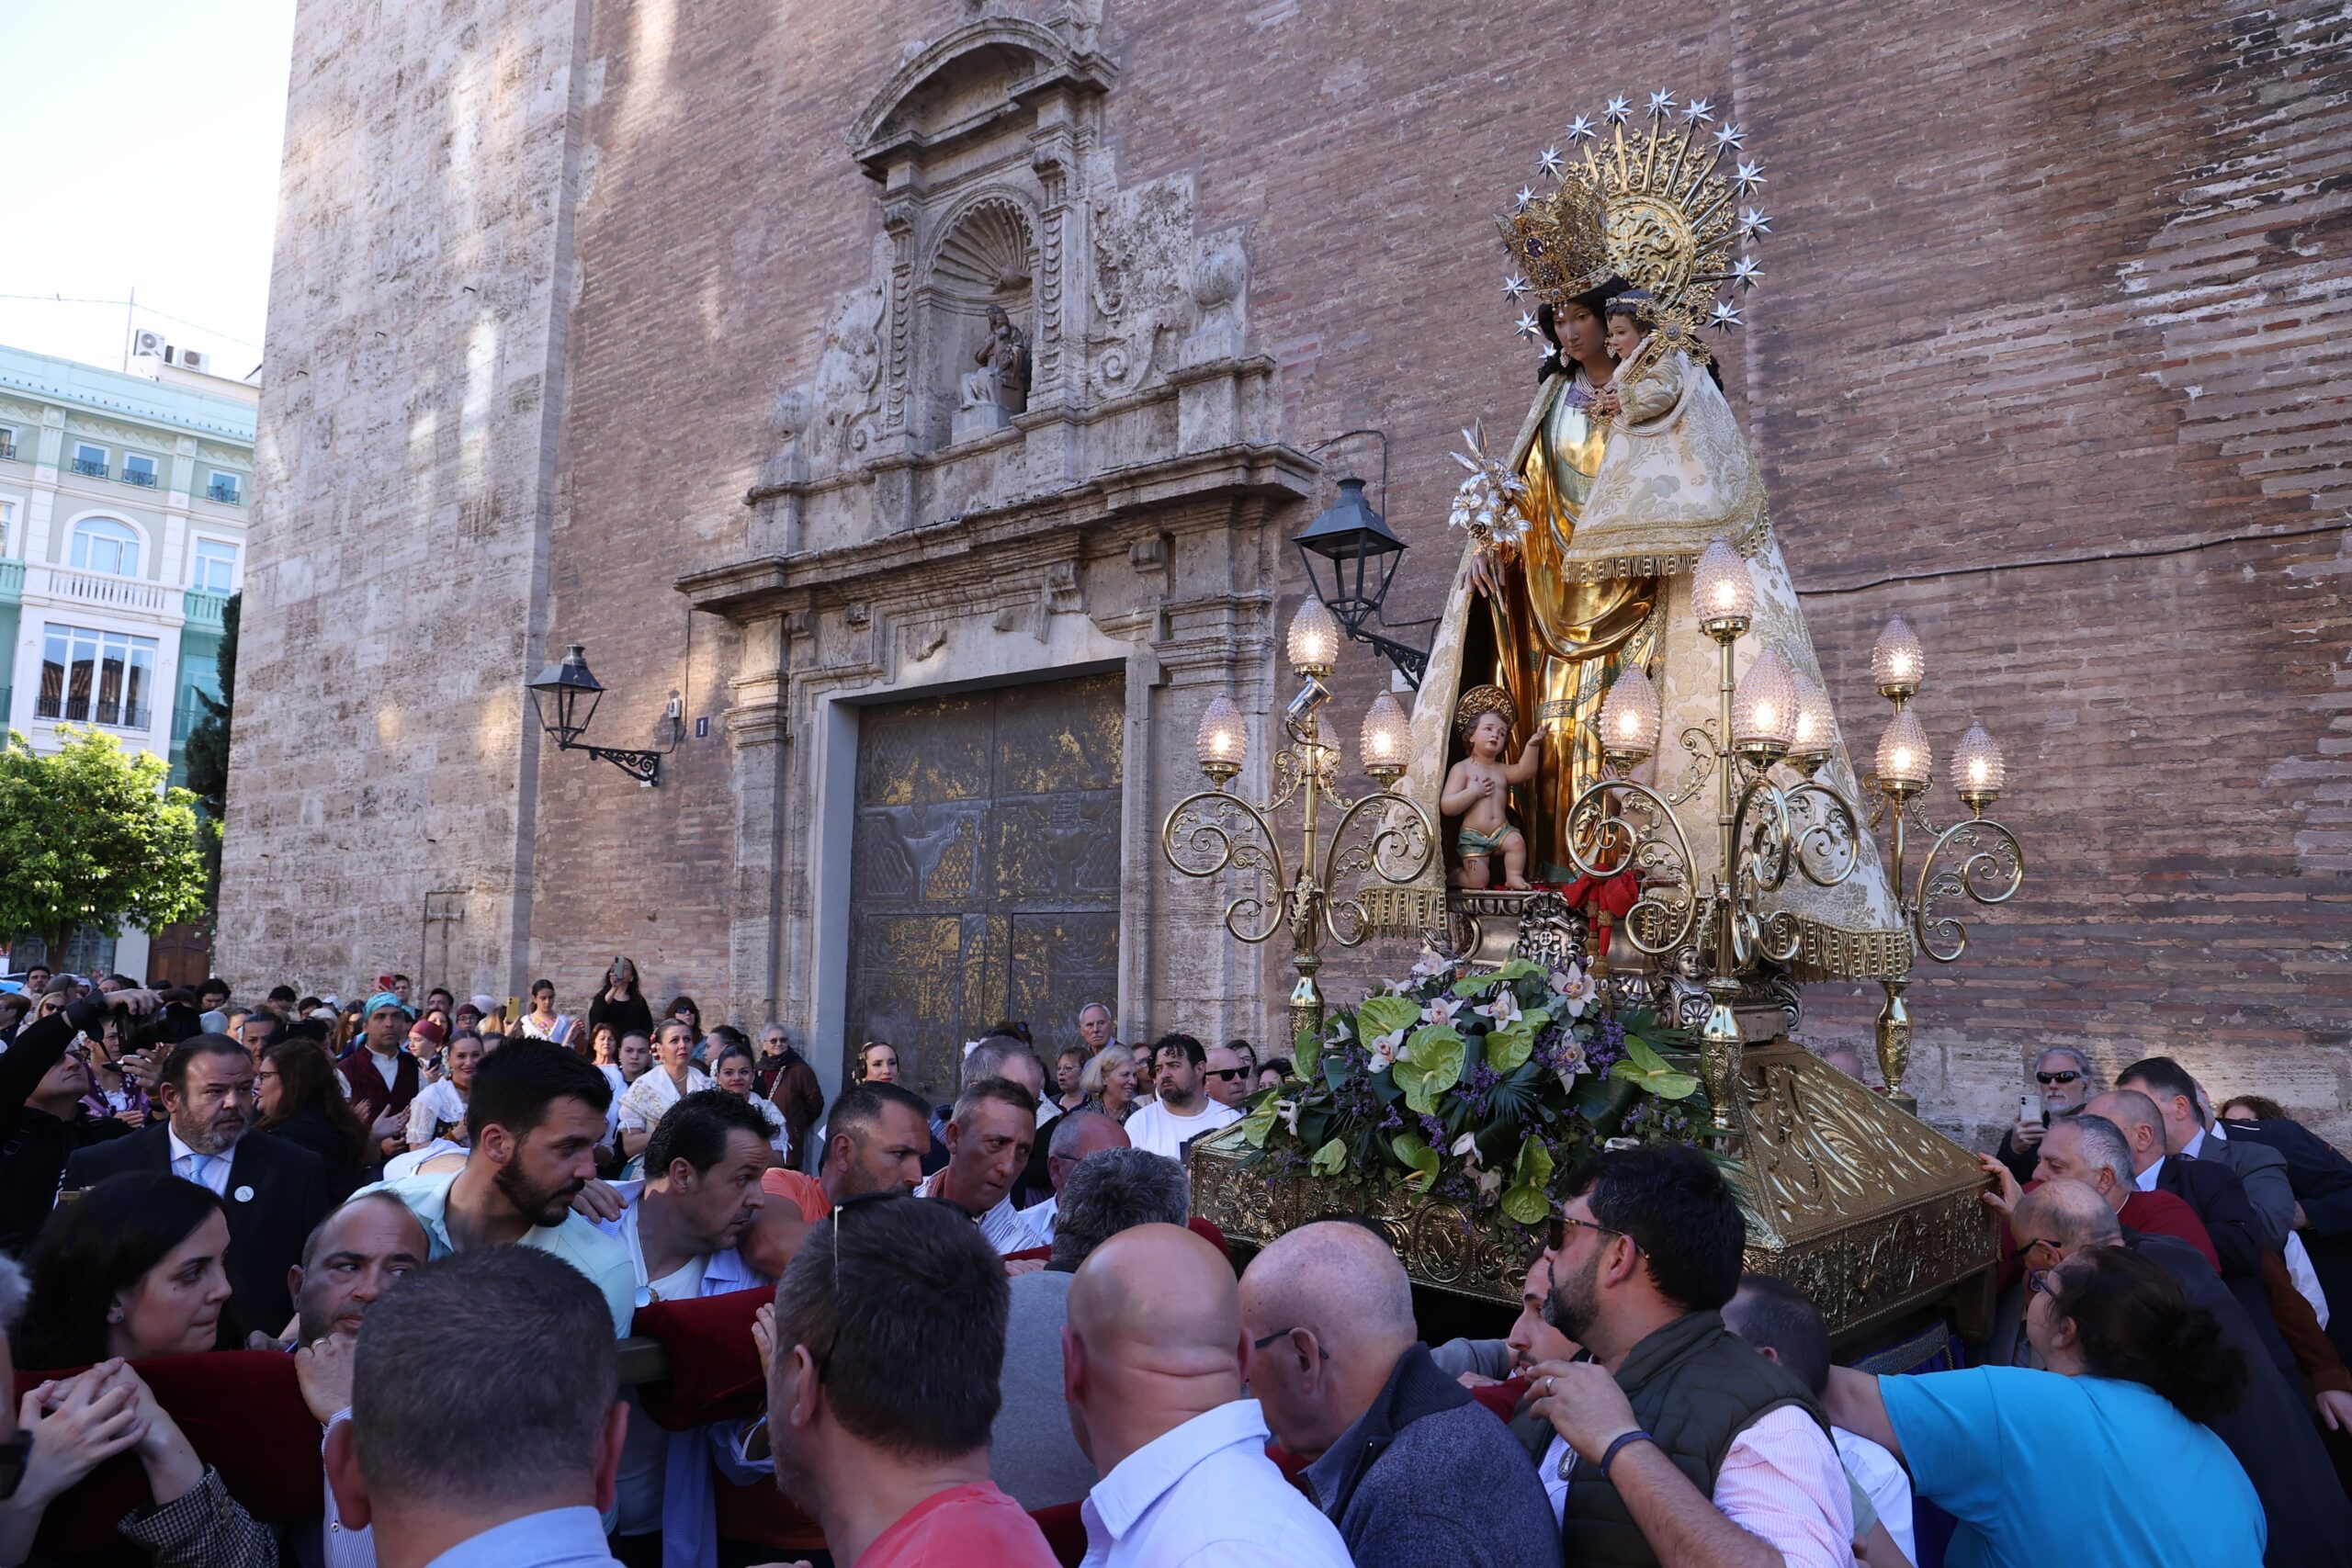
{"points": [[964, 1526], [1780, 1481]]}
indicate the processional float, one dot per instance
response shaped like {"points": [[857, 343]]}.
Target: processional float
{"points": [[1698, 846]]}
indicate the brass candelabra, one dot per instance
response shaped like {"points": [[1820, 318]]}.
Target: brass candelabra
{"points": [[1379, 838], [1775, 818]]}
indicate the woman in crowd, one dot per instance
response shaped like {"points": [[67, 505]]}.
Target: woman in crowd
{"points": [[1109, 1082], [674, 1076], [604, 1050], [298, 1098], [1273, 1072], [2121, 1468], [1069, 1069], [736, 1069], [133, 1268], [438, 1112], [620, 1003], [115, 1091], [2254, 1107], [543, 1022], [688, 1008], [877, 1062]]}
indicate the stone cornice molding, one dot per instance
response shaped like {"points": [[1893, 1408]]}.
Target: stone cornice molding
{"points": [[876, 143]]}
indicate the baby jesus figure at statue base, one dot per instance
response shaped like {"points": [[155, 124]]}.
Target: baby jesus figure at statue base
{"points": [[1477, 787]]}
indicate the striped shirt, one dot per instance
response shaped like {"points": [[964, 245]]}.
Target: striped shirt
{"points": [[1003, 1226]]}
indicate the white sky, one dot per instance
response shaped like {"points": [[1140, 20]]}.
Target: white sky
{"points": [[144, 138]]}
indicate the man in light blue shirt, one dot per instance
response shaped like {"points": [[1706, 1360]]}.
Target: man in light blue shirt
{"points": [[534, 1114], [484, 1431]]}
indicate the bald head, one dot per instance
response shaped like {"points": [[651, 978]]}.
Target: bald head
{"points": [[1328, 1312], [2066, 1216], [1337, 1279], [1153, 1339], [1078, 1134], [2137, 1118]]}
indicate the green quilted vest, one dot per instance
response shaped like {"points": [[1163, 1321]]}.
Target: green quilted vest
{"points": [[1694, 1386]]}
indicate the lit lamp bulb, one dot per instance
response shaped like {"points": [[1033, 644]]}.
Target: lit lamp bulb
{"points": [[1629, 718], [1723, 592], [1314, 639], [1222, 741], [1977, 770], [1897, 661], [1905, 760], [1764, 710], [1382, 739], [1816, 731]]}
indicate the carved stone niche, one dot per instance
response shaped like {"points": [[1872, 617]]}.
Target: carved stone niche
{"points": [[1122, 346]]}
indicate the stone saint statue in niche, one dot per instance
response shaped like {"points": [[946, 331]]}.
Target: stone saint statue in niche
{"points": [[1002, 379]]}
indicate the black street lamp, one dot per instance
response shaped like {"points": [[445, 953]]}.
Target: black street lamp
{"points": [[572, 694], [1351, 556]]}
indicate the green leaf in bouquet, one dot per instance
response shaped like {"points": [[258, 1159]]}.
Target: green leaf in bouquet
{"points": [[1478, 984], [1331, 1159], [1529, 1199], [1536, 1019], [1376, 1016], [1602, 1101], [1413, 1152], [1430, 1064], [1260, 1121], [1506, 1048], [1644, 1066]]}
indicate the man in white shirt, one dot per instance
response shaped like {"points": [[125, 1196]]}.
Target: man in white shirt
{"points": [[1645, 1251], [1152, 1369], [1225, 1076], [683, 1226], [1183, 1110], [1075, 1136], [990, 1134]]}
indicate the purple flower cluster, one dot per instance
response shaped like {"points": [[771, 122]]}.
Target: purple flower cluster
{"points": [[1606, 1047], [1477, 1088]]}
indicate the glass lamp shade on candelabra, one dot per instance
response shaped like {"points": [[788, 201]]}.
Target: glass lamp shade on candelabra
{"points": [[1977, 770], [1815, 729], [1764, 709], [1723, 591], [1897, 661], [1314, 639], [1629, 717], [1905, 763], [1383, 739], [1222, 741]]}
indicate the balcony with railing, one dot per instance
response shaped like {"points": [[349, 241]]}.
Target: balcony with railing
{"points": [[12, 581], [143, 477], [205, 612], [186, 717], [226, 494], [89, 467], [7, 451], [101, 589], [114, 714]]}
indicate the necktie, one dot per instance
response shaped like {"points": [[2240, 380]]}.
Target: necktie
{"points": [[198, 1165]]}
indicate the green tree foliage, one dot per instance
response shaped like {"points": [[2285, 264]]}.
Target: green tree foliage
{"points": [[206, 753], [91, 837]]}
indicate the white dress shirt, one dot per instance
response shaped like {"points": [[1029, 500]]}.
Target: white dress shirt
{"points": [[1156, 1128], [2146, 1180], [1882, 1477], [1040, 1218], [1205, 1495], [1003, 1226], [1780, 1481], [205, 1170]]}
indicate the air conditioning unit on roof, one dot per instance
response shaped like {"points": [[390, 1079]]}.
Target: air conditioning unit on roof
{"points": [[147, 344], [191, 360]]}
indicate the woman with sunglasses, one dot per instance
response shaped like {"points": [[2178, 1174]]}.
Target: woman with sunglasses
{"points": [[2102, 1459], [2063, 1077]]}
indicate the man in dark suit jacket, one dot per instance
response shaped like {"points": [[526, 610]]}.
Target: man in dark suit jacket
{"points": [[273, 1191], [2322, 1181]]}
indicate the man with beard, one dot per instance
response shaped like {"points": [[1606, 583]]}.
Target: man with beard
{"points": [[534, 1116], [275, 1193], [681, 1227], [1182, 1111], [1683, 1443]]}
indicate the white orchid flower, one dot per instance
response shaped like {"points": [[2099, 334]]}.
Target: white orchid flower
{"points": [[1572, 1064], [1441, 1009], [1466, 1148], [1431, 963], [1578, 991], [1504, 1009], [1288, 1111], [1615, 1144], [1386, 1049], [1490, 1183]]}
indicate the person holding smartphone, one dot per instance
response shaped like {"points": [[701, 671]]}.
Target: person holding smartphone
{"points": [[43, 1077], [2062, 1086]]}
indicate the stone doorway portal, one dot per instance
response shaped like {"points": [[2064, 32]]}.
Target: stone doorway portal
{"points": [[984, 874]]}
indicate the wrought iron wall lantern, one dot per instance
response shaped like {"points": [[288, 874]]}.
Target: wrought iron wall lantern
{"points": [[1350, 556], [565, 697]]}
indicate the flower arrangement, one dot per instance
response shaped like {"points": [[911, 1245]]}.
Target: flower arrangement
{"points": [[1478, 1087]]}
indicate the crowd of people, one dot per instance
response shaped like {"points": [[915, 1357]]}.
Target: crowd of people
{"points": [[992, 1332]]}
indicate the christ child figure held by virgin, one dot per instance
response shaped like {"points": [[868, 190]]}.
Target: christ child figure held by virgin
{"points": [[1477, 786]]}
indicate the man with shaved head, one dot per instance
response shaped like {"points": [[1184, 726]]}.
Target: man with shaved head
{"points": [[1152, 1369], [1410, 1467]]}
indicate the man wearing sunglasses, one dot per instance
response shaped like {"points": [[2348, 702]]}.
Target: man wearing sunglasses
{"points": [[1227, 1077], [1647, 1251], [2062, 1078]]}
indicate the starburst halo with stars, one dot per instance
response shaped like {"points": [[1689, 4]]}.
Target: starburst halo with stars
{"points": [[1661, 154]]}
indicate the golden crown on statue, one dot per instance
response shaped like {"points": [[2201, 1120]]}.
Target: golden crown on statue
{"points": [[1653, 204]]}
